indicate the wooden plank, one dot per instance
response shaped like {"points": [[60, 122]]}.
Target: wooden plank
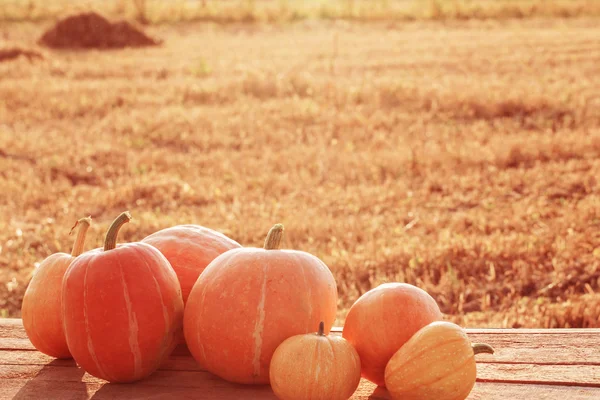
{"points": [[527, 364], [54, 373], [43, 390], [541, 348], [22, 389], [16, 344], [12, 328], [537, 348], [20, 357], [583, 375], [505, 391]]}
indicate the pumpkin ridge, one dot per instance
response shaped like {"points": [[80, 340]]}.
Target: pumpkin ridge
{"points": [[333, 363], [227, 255], [317, 369], [90, 344], [461, 396], [260, 323], [134, 345], [197, 327], [434, 347], [34, 315], [162, 303], [456, 369], [298, 261], [422, 351]]}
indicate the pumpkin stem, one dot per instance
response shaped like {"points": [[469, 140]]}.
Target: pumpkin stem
{"points": [[273, 240], [482, 348], [110, 242], [84, 224], [321, 329]]}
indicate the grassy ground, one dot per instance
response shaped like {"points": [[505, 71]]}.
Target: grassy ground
{"points": [[250, 11], [461, 157]]}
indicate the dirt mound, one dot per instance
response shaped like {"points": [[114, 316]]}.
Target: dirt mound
{"points": [[11, 53], [93, 31]]}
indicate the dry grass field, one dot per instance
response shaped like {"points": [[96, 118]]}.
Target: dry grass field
{"points": [[460, 155]]}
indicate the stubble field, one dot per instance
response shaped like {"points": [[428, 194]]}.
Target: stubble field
{"points": [[459, 156]]}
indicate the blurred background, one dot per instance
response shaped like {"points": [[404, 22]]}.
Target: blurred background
{"points": [[453, 145]]}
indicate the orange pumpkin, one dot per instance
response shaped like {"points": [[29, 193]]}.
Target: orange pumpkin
{"points": [[438, 362], [315, 367], [189, 249], [41, 307], [383, 319], [249, 300], [122, 309]]}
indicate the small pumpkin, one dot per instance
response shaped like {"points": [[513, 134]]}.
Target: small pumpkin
{"points": [[249, 300], [122, 308], [315, 367], [189, 249], [383, 319], [438, 362], [41, 310]]}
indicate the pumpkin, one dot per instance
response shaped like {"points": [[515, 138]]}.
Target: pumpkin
{"points": [[41, 310], [314, 367], [438, 362], [383, 319], [189, 249], [249, 300], [122, 308]]}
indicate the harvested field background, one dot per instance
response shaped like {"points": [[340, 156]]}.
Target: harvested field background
{"points": [[462, 156]]}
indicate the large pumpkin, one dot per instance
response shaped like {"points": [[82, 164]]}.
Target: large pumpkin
{"points": [[189, 249], [383, 319], [315, 367], [122, 309], [41, 310], [438, 362], [249, 300]]}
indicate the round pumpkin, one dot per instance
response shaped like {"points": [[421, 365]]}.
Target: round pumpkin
{"points": [[189, 249], [315, 367], [41, 310], [122, 309], [438, 362], [249, 300], [383, 319]]}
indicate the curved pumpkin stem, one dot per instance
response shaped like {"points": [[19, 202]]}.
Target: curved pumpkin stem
{"points": [[273, 240], [482, 348], [84, 224], [110, 242], [321, 329]]}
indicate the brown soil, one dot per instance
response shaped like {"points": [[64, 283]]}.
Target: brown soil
{"points": [[12, 53], [92, 30]]}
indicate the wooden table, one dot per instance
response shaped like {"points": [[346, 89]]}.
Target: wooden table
{"points": [[562, 364]]}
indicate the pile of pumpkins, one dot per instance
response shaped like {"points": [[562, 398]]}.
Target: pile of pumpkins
{"points": [[247, 315]]}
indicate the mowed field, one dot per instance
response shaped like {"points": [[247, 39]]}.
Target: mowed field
{"points": [[459, 156]]}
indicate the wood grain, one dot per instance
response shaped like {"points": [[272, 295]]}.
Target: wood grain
{"points": [[508, 391], [583, 375], [556, 364]]}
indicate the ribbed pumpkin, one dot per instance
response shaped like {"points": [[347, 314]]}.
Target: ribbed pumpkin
{"points": [[189, 249], [382, 320], [122, 309], [41, 309], [315, 367], [249, 300], [438, 362]]}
